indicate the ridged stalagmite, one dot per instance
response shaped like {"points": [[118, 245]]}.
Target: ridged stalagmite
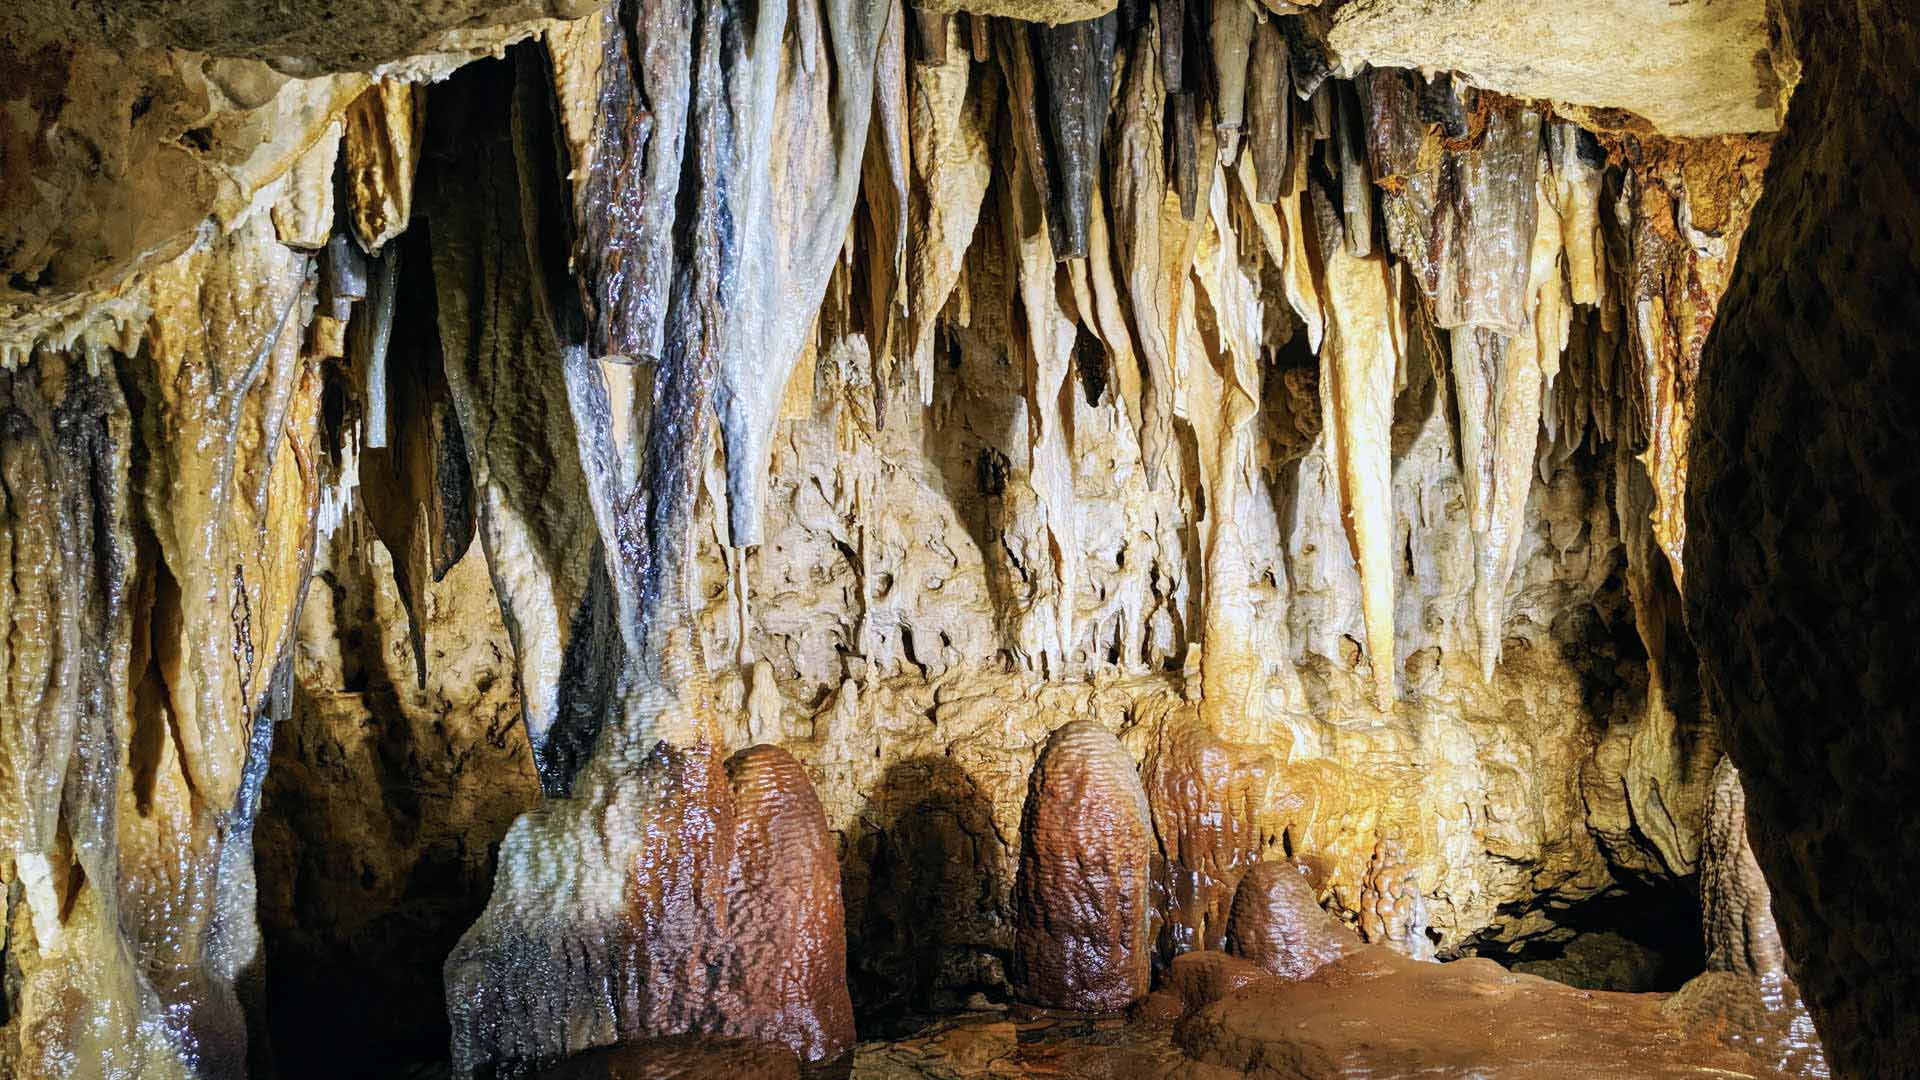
{"points": [[1080, 898], [1278, 924]]}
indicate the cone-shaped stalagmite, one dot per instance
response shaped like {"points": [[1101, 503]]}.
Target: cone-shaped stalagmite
{"points": [[786, 926], [1278, 924], [1080, 898]]}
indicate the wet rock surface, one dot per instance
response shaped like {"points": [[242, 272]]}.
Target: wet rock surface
{"points": [[1080, 899], [1278, 924]]}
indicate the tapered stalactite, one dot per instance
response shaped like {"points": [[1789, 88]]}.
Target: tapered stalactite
{"points": [[1075, 66], [418, 489], [1137, 190], [950, 110], [801, 126], [1231, 32], [628, 199], [886, 176], [507, 378], [1269, 111], [1365, 339], [380, 155]]}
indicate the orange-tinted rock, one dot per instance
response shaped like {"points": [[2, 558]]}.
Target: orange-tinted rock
{"points": [[692, 1057], [787, 975], [1278, 925], [1201, 978], [1080, 897], [1203, 793], [1377, 1013]]}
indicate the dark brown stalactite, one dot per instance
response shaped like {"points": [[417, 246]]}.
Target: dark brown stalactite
{"points": [[1184, 135], [1269, 111], [930, 36], [418, 489], [628, 204], [1075, 65], [507, 378]]}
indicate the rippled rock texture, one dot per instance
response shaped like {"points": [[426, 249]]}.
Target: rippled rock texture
{"points": [[1080, 900], [1278, 923]]}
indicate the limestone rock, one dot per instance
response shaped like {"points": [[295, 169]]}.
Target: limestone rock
{"points": [[1080, 901], [1694, 69]]}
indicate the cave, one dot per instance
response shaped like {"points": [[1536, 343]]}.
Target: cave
{"points": [[958, 538]]}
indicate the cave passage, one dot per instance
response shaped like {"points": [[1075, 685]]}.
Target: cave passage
{"points": [[875, 539]]}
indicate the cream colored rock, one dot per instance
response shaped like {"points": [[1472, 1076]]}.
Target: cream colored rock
{"points": [[1689, 69]]}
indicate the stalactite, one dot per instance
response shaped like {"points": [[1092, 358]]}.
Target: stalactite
{"points": [[1269, 97], [379, 157], [885, 181], [418, 490], [951, 113], [1365, 338], [1074, 62], [1137, 190], [799, 147], [1232, 31], [1356, 181], [507, 379], [627, 199]]}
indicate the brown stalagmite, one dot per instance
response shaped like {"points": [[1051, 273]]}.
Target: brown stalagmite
{"points": [[950, 115], [786, 923], [1736, 908], [1204, 794], [1080, 897], [1278, 924], [1365, 338], [380, 155], [1231, 34]]}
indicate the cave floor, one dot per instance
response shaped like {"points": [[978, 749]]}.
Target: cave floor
{"points": [[1372, 1014]]}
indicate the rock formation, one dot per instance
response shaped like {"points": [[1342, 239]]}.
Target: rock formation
{"points": [[1114, 450], [1278, 924], [1080, 901]]}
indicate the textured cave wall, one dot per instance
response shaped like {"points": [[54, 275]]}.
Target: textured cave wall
{"points": [[1804, 513]]}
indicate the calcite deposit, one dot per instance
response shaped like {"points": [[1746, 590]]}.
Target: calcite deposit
{"points": [[611, 538], [1277, 923], [1080, 899]]}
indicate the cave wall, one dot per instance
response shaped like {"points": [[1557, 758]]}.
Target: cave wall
{"points": [[1358, 572], [1804, 521]]}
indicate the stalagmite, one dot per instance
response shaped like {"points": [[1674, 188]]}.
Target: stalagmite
{"points": [[1080, 900], [1365, 338], [1075, 66], [786, 928], [1231, 31], [1204, 795], [1278, 923], [1269, 98], [950, 114]]}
